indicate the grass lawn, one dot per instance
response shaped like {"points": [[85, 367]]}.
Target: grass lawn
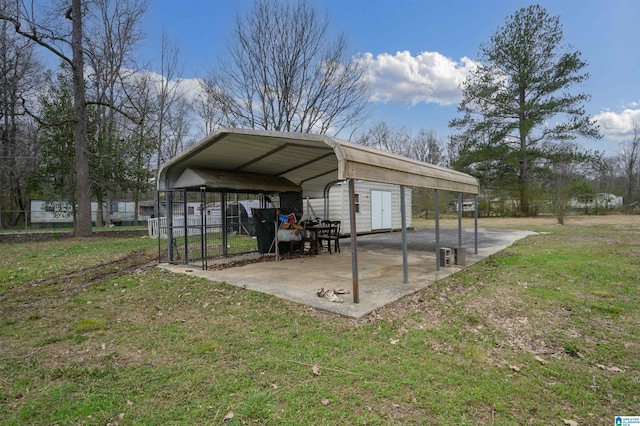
{"points": [[545, 332]]}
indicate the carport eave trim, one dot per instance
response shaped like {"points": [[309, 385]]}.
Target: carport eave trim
{"points": [[352, 165]]}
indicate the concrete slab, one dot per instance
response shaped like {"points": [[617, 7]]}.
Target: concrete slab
{"points": [[379, 269]]}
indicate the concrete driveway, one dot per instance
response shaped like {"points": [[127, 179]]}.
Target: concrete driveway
{"points": [[379, 269]]}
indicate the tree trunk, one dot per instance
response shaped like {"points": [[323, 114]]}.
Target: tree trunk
{"points": [[136, 209], [107, 211], [100, 213], [523, 176], [83, 188], [561, 204], [632, 152]]}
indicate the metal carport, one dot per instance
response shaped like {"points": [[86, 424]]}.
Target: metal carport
{"points": [[270, 161]]}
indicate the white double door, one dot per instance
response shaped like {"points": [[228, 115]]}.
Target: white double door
{"points": [[381, 210]]}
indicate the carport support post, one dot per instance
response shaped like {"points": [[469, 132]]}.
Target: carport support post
{"points": [[354, 249], [403, 212], [437, 208], [169, 225], [475, 219], [223, 217], [186, 227], [460, 219], [203, 226]]}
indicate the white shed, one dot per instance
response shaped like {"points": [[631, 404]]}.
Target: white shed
{"points": [[377, 207]]}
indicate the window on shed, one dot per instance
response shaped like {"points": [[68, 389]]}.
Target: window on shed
{"points": [[357, 203], [114, 207]]}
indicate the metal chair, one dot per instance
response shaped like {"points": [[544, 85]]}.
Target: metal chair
{"points": [[302, 244], [331, 235]]}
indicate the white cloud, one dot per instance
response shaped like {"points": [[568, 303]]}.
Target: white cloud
{"points": [[427, 77], [190, 88], [616, 125]]}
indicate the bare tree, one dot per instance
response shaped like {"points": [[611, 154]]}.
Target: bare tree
{"points": [[426, 147], [83, 186], [385, 138], [167, 96], [51, 33], [20, 79], [177, 128], [630, 158], [567, 175], [206, 107], [284, 73], [111, 36], [143, 138]]}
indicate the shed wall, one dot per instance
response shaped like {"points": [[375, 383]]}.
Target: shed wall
{"points": [[339, 205]]}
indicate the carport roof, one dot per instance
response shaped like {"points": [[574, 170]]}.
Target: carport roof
{"points": [[270, 161]]}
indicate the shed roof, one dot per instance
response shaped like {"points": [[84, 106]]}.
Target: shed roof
{"points": [[270, 161]]}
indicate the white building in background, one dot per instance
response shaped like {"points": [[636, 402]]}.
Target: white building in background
{"points": [[377, 207], [467, 206], [598, 201], [60, 212]]}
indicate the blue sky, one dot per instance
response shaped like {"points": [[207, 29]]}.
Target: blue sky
{"points": [[420, 50]]}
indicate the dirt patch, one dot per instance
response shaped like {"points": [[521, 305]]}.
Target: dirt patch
{"points": [[27, 237], [103, 271], [71, 282], [524, 327], [612, 219], [233, 261]]}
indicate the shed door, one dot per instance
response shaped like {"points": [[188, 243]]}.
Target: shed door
{"points": [[380, 210]]}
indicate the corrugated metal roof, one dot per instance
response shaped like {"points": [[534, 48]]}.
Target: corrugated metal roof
{"points": [[309, 161]]}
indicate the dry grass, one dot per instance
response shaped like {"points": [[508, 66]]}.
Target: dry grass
{"points": [[531, 223]]}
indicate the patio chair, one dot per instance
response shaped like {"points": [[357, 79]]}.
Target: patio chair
{"points": [[331, 235], [300, 245]]}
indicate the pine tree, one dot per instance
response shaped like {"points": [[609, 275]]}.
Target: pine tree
{"points": [[518, 103]]}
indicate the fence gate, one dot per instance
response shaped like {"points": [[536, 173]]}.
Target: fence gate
{"points": [[172, 208]]}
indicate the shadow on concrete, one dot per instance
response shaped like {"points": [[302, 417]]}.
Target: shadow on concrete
{"points": [[379, 269]]}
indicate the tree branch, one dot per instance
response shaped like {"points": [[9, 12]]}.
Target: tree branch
{"points": [[35, 37], [117, 109], [39, 120]]}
